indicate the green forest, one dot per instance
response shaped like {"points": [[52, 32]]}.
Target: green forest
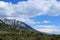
{"points": [[8, 32]]}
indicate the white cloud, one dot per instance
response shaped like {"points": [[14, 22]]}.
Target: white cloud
{"points": [[5, 9], [46, 21], [26, 20], [39, 7], [34, 7], [30, 8], [48, 29]]}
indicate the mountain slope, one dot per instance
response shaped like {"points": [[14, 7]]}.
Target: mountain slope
{"points": [[12, 32], [16, 23]]}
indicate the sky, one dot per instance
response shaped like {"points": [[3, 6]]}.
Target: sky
{"points": [[42, 15]]}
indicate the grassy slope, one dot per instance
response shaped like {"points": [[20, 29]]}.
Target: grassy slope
{"points": [[8, 32]]}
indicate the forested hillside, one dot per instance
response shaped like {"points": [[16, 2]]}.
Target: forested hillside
{"points": [[8, 32]]}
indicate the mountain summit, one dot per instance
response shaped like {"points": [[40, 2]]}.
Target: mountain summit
{"points": [[14, 22]]}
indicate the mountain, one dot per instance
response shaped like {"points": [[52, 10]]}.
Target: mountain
{"points": [[16, 23], [11, 29]]}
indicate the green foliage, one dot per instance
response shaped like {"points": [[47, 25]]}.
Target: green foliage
{"points": [[8, 32]]}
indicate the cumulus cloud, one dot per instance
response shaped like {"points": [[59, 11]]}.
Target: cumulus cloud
{"points": [[39, 7], [34, 7], [30, 8], [5, 9]]}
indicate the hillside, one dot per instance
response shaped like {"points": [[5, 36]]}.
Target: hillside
{"points": [[9, 32]]}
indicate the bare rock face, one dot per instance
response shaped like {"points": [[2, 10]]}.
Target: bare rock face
{"points": [[1, 21], [14, 22]]}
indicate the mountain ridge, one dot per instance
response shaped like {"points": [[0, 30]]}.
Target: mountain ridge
{"points": [[14, 22]]}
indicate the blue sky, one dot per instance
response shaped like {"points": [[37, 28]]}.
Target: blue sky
{"points": [[13, 1], [42, 15]]}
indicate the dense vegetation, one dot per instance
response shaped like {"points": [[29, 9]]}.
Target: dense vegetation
{"points": [[8, 32]]}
